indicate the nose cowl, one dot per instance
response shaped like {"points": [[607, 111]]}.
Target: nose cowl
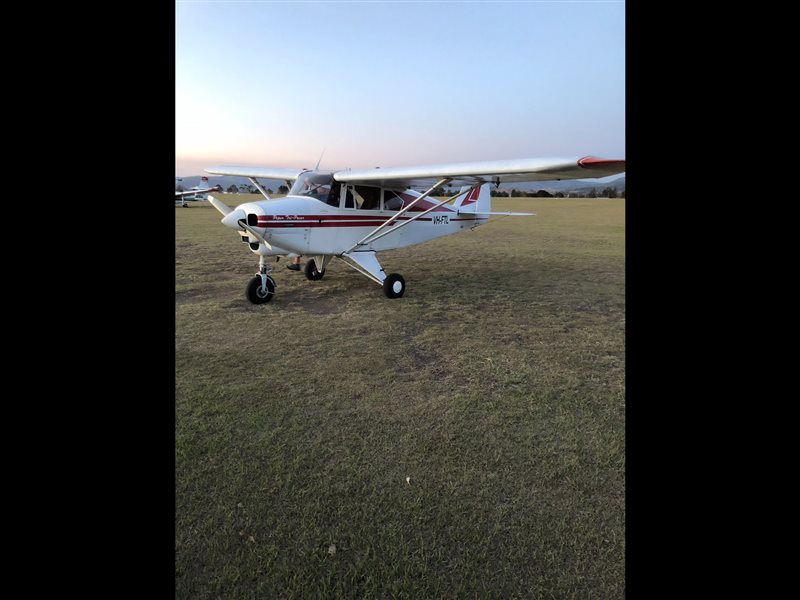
{"points": [[232, 219]]}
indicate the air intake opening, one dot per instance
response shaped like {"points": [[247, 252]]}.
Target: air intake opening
{"points": [[252, 220]]}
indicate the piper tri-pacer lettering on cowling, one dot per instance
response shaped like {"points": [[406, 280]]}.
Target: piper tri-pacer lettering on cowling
{"points": [[355, 214]]}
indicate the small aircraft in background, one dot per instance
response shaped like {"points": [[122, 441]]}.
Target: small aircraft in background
{"points": [[354, 214], [196, 193]]}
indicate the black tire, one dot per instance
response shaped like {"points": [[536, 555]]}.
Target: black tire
{"points": [[255, 293], [390, 287], [311, 271]]}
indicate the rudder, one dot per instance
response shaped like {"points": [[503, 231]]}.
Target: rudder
{"points": [[478, 200]]}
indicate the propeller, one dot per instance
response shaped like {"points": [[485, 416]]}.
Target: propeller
{"points": [[236, 219]]}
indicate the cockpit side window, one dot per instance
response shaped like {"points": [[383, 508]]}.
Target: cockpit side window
{"points": [[391, 201], [333, 197], [363, 197], [371, 197]]}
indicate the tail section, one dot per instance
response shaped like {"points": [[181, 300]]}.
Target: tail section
{"points": [[478, 200]]}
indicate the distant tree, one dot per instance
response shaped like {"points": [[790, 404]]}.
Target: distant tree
{"points": [[180, 188], [610, 192], [559, 194], [283, 190], [516, 194], [543, 194], [269, 191], [232, 189], [622, 194], [242, 188], [592, 194]]}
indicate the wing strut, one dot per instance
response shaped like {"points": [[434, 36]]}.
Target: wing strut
{"points": [[260, 189], [404, 210], [418, 215]]}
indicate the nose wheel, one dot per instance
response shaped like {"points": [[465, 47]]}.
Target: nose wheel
{"points": [[258, 291], [261, 288]]}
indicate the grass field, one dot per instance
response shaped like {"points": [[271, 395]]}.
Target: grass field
{"points": [[496, 384]]}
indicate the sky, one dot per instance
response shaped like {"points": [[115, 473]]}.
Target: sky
{"points": [[275, 84]]}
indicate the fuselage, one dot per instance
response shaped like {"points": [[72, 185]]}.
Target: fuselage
{"points": [[307, 225]]}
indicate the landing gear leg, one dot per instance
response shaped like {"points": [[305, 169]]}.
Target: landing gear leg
{"points": [[261, 288]]}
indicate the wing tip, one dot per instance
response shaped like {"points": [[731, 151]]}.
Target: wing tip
{"points": [[593, 162]]}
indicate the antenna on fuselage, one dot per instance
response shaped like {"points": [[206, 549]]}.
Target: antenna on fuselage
{"points": [[320, 160]]}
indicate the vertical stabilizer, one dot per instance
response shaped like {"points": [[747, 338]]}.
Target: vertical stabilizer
{"points": [[478, 200]]}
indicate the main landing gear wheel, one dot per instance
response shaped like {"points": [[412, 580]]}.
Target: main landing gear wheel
{"points": [[257, 294], [394, 286], [311, 271]]}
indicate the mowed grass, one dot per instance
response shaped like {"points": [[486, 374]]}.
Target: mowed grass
{"points": [[496, 384]]}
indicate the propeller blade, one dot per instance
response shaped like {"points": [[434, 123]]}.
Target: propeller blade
{"points": [[219, 205]]}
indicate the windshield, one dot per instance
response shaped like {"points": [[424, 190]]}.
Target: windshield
{"points": [[313, 184]]}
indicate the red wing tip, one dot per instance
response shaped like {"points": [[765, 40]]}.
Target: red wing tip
{"points": [[592, 162]]}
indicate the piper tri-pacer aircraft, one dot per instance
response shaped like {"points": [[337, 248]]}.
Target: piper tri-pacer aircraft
{"points": [[354, 214]]}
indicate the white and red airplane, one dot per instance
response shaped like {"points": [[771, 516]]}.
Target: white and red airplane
{"points": [[354, 214], [196, 193]]}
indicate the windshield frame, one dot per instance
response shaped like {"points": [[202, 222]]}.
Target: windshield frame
{"points": [[313, 184]]}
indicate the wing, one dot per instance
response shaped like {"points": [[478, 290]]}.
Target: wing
{"points": [[191, 192], [256, 172], [496, 171]]}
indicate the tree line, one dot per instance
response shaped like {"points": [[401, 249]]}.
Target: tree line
{"points": [[251, 189], [608, 192]]}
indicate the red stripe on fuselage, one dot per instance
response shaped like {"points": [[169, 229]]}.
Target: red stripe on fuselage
{"points": [[371, 217], [301, 223]]}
